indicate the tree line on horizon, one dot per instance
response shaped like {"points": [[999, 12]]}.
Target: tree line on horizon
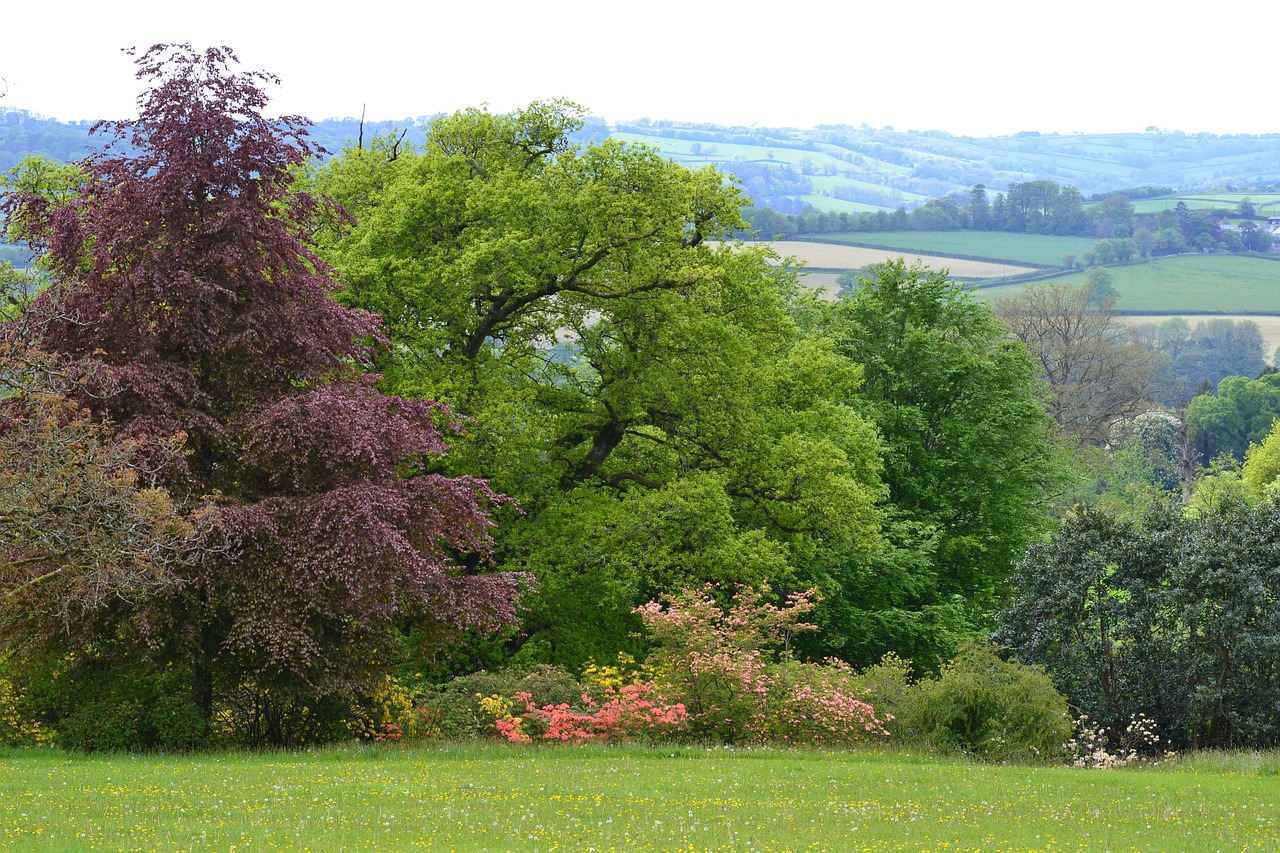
{"points": [[1044, 207]]}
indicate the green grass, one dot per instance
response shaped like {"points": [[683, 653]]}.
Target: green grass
{"points": [[1155, 205], [632, 799], [781, 155], [1207, 201], [1199, 283], [1014, 248]]}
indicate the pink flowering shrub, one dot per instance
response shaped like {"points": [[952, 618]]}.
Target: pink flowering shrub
{"points": [[724, 666], [821, 707]]}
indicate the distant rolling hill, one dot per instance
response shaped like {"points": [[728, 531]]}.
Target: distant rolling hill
{"points": [[839, 167]]}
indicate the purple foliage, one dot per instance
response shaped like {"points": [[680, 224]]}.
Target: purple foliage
{"points": [[182, 269]]}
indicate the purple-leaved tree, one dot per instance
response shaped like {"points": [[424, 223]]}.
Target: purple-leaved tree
{"points": [[181, 272]]}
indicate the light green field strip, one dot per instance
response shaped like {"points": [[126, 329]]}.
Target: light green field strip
{"points": [[1024, 248], [1202, 283]]}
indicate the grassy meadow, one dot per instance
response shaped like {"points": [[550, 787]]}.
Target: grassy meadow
{"points": [[1193, 283], [1263, 203], [1042, 249], [493, 797]]}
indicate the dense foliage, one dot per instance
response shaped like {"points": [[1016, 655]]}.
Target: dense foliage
{"points": [[968, 460], [1240, 412], [284, 441], [1171, 615], [641, 389]]}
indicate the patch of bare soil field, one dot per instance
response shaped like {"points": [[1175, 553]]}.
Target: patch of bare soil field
{"points": [[831, 256], [824, 281]]}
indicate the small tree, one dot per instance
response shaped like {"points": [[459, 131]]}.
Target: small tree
{"points": [[1096, 374]]}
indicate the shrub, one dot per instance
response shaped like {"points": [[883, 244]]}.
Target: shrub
{"points": [[983, 705], [18, 725], [722, 665], [444, 715], [106, 726], [548, 684], [1095, 748], [254, 717], [386, 714], [86, 702], [178, 724], [631, 712], [470, 705], [886, 685], [820, 706]]}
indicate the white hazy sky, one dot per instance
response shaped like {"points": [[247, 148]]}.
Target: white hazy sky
{"points": [[980, 67]]}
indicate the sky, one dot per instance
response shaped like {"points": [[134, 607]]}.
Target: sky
{"points": [[977, 68]]}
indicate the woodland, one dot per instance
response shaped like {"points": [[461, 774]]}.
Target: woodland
{"points": [[500, 430]]}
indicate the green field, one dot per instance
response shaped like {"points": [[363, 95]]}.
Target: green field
{"points": [[626, 799], [826, 203], [1040, 249], [1262, 202], [1155, 205], [682, 150], [724, 154], [1199, 283]]}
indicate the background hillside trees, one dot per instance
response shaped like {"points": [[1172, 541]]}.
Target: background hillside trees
{"points": [[1206, 353], [181, 274]]}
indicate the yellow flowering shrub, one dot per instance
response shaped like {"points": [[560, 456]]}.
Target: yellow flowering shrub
{"points": [[387, 714], [16, 728]]}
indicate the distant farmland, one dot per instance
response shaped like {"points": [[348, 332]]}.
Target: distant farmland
{"points": [[1263, 203], [1203, 284], [1038, 249], [831, 256]]}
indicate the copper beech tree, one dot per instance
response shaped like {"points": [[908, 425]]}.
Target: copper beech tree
{"points": [[181, 271]]}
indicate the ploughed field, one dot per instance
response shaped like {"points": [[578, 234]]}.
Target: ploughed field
{"points": [[496, 797]]}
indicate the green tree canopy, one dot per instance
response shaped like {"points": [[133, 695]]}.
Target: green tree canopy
{"points": [[968, 459], [1171, 614], [1239, 414], [636, 383]]}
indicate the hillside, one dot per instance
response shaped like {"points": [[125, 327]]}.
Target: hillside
{"points": [[839, 167]]}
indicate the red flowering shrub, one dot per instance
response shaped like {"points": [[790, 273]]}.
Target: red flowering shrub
{"points": [[628, 713]]}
